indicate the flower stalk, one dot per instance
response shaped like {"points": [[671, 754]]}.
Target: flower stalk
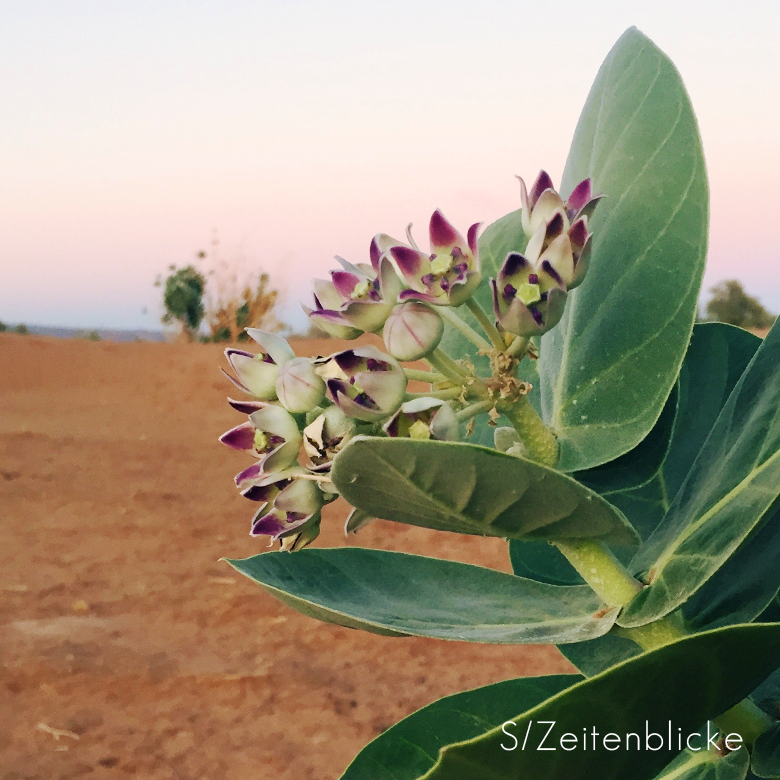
{"points": [[487, 324], [538, 439], [465, 329]]}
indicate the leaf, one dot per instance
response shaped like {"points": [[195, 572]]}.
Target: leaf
{"points": [[640, 465], [716, 358], [767, 695], [451, 486], [765, 760], [607, 369], [542, 562], [732, 485], [398, 594], [684, 683], [707, 766], [597, 655], [409, 748]]}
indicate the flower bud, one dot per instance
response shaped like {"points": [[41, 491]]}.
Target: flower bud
{"points": [[302, 538], [424, 418], [299, 387], [364, 383], [412, 331]]}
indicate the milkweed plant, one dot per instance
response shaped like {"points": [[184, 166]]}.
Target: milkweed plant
{"points": [[566, 402]]}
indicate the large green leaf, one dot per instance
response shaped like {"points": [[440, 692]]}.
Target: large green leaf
{"points": [[399, 594], [732, 485], [640, 465], [608, 367], [685, 683], [765, 761], [716, 358], [450, 486], [409, 748]]}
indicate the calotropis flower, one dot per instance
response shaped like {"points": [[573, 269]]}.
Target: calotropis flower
{"points": [[288, 505], [544, 207], [271, 435], [299, 388], [325, 436], [448, 276], [364, 383], [357, 299], [424, 418], [257, 374]]}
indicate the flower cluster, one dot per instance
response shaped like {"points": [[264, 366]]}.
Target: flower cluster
{"points": [[302, 411]]}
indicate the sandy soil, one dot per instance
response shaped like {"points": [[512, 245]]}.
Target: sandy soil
{"points": [[127, 648]]}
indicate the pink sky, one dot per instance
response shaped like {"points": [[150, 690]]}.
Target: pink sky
{"points": [[300, 129]]}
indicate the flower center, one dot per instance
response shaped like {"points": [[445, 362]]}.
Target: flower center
{"points": [[361, 290], [419, 430], [529, 293]]}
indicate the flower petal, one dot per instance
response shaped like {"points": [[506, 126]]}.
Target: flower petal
{"points": [[277, 421], [444, 237], [326, 296], [241, 438], [246, 407], [472, 237], [334, 324], [543, 182], [275, 346], [580, 195], [560, 257]]}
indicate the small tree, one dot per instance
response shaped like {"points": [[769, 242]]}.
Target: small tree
{"points": [[183, 298], [731, 304]]}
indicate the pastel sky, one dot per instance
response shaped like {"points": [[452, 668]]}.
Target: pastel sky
{"points": [[298, 129]]}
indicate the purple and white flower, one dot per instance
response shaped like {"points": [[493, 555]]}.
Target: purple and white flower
{"points": [[288, 504], [256, 374], [325, 436], [364, 383], [271, 435], [357, 299], [424, 418], [448, 276]]}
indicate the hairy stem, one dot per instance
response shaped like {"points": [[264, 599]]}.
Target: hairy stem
{"points": [[449, 316], [487, 324], [538, 439], [431, 377]]}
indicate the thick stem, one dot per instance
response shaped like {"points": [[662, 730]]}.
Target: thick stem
{"points": [[601, 570], [746, 719], [538, 439], [474, 410], [449, 316], [487, 324], [431, 377], [443, 363], [449, 394], [518, 346]]}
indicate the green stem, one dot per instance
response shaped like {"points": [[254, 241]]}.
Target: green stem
{"points": [[615, 585], [487, 324], [474, 410], [431, 377], [449, 316], [445, 395], [538, 439], [601, 570], [518, 346], [444, 364]]}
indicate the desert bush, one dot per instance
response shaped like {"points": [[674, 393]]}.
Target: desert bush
{"points": [[183, 298], [731, 304]]}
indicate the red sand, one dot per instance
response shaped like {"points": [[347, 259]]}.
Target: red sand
{"points": [[119, 626]]}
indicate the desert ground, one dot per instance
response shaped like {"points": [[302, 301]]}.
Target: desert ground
{"points": [[128, 649]]}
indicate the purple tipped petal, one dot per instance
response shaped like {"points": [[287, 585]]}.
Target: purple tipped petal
{"points": [[262, 493], [413, 295], [344, 283], [242, 437], [543, 182], [578, 234], [409, 260], [579, 197], [472, 237], [235, 381], [253, 472], [348, 361], [375, 253], [442, 233], [513, 264], [588, 209], [246, 407], [548, 269], [554, 226]]}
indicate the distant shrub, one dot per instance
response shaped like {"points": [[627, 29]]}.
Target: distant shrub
{"points": [[731, 304], [21, 329], [183, 298], [93, 335], [3, 326]]}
